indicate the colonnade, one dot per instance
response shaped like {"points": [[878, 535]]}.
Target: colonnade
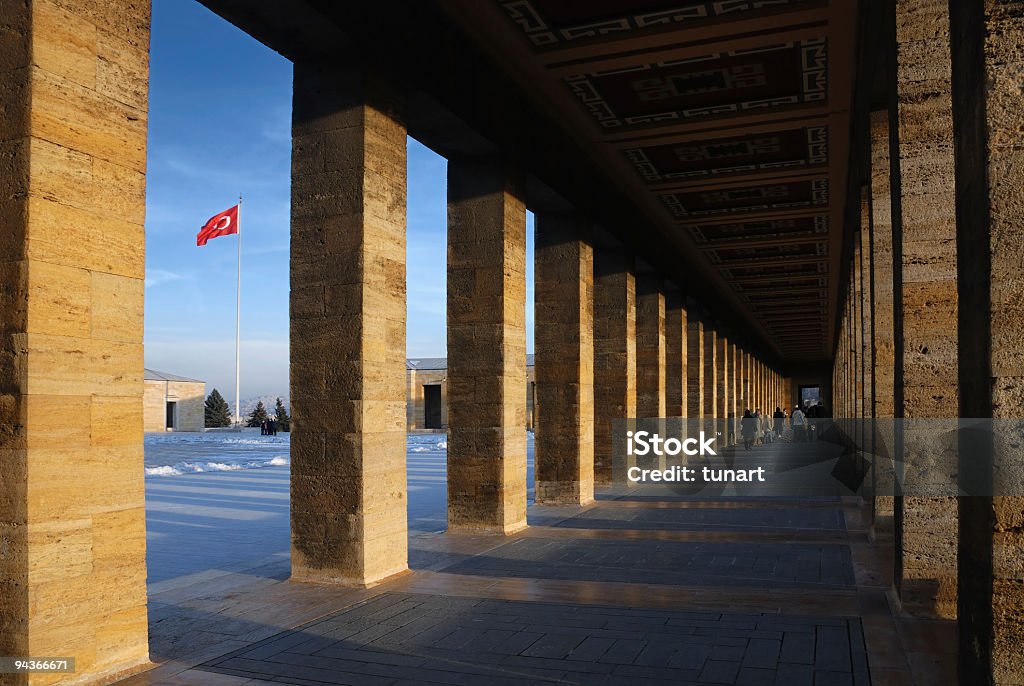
{"points": [[931, 326], [931, 316]]}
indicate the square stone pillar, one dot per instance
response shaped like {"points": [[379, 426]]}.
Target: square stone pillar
{"points": [[711, 363], [928, 332], [722, 399], [486, 348], [614, 352], [73, 115], [564, 367], [650, 346], [348, 376], [695, 368], [735, 411], [744, 378], [676, 338], [883, 336], [987, 66]]}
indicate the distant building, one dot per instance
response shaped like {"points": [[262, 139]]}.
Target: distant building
{"points": [[427, 392], [173, 403]]}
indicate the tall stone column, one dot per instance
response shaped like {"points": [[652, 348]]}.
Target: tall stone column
{"points": [[883, 336], [486, 348], [564, 367], [928, 334], [72, 210], [614, 351], [348, 503], [744, 381], [722, 406], [695, 355], [734, 406], [711, 364], [650, 346], [987, 67], [676, 338]]}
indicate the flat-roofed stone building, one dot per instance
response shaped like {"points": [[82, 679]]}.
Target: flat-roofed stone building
{"points": [[172, 402], [427, 393]]}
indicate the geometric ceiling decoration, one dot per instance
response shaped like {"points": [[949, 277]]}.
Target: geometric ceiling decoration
{"points": [[799, 148], [774, 77], [783, 195], [551, 24], [726, 120], [745, 232]]}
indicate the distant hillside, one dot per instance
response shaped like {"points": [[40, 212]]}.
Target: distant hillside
{"points": [[269, 401]]}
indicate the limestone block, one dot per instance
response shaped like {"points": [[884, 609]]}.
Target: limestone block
{"points": [[486, 348], [564, 312]]}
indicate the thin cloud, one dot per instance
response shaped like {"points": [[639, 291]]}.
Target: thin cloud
{"points": [[159, 277]]}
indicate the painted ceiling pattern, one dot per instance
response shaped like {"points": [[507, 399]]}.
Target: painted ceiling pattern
{"points": [[725, 113]]}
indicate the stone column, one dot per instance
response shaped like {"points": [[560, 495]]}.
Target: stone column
{"points": [[883, 335], [650, 346], [72, 210], [486, 348], [987, 67], [744, 381], [695, 356], [734, 406], [928, 333], [722, 395], [614, 352], [564, 360], [676, 323], [711, 363], [348, 502]]}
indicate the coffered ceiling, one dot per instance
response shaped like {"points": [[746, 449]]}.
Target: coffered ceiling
{"points": [[727, 120]]}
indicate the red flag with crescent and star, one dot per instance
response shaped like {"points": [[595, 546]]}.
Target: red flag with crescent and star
{"points": [[223, 224]]}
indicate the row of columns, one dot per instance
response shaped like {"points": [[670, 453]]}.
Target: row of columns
{"points": [[613, 341], [931, 324]]}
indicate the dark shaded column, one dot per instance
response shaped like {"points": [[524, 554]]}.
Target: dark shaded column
{"points": [[650, 346], [928, 326], [676, 338], [710, 415], [614, 351], [348, 496], [486, 347], [883, 335], [695, 368], [564, 360], [987, 115]]}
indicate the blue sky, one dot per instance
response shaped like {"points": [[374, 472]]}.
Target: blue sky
{"points": [[219, 125]]}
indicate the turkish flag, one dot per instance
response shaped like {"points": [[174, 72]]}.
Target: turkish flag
{"points": [[223, 224]]}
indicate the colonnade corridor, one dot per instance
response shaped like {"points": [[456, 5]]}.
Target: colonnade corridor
{"points": [[734, 202]]}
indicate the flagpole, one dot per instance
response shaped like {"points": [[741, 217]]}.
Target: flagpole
{"points": [[238, 323]]}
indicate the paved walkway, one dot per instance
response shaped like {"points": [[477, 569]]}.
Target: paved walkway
{"points": [[634, 589]]}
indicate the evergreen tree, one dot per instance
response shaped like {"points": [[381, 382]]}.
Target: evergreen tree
{"points": [[218, 414], [283, 420], [258, 415]]}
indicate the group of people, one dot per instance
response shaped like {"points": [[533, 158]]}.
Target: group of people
{"points": [[268, 427], [756, 427], [805, 422]]}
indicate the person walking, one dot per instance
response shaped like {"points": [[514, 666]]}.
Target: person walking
{"points": [[748, 428], [263, 428], [798, 422], [780, 421], [811, 417], [766, 428]]}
